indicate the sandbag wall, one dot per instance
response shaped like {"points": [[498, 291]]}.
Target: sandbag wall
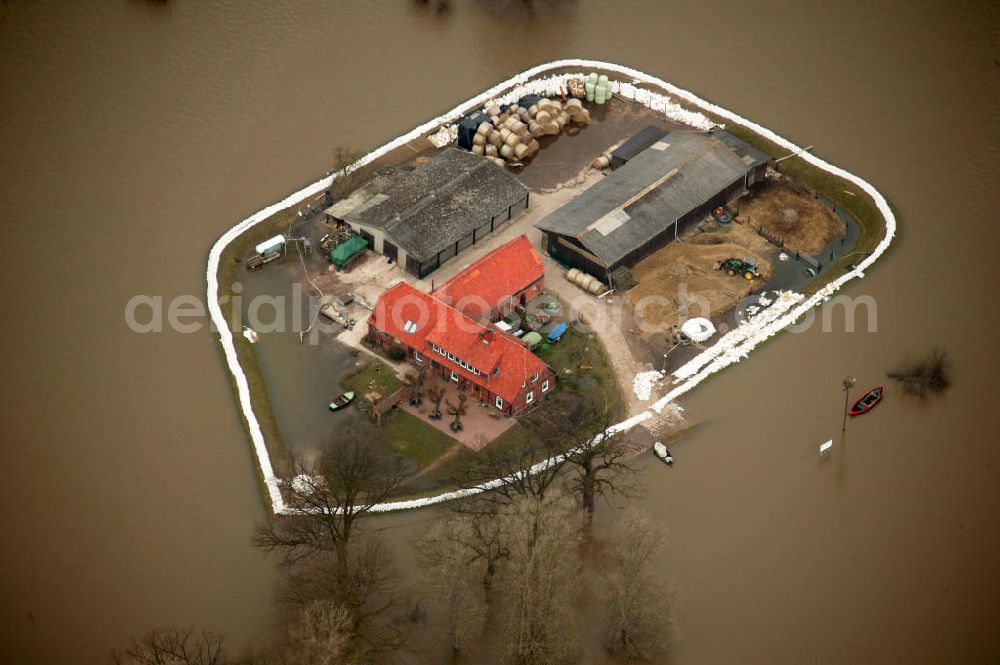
{"points": [[511, 134]]}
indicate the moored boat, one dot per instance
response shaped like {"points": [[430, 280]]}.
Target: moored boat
{"points": [[663, 453], [869, 400], [342, 400]]}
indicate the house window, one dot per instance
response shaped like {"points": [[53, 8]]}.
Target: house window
{"points": [[419, 357], [530, 397], [545, 385], [499, 403], [454, 377], [451, 357], [534, 377]]}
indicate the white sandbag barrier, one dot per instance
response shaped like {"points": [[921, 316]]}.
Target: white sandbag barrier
{"points": [[732, 347]]}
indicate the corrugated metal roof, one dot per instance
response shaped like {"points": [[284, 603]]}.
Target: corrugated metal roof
{"points": [[441, 202], [645, 196]]}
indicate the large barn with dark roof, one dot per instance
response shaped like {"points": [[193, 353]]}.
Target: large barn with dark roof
{"points": [[435, 211], [650, 199]]}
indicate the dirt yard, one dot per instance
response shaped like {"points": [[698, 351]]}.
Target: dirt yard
{"points": [[804, 222], [681, 281]]}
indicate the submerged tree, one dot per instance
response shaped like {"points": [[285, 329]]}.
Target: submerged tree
{"points": [[542, 578], [446, 555], [175, 646], [923, 376], [415, 380], [635, 599]]}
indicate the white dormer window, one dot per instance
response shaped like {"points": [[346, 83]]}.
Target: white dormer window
{"points": [[499, 403], [530, 397], [534, 377], [545, 385], [410, 327]]}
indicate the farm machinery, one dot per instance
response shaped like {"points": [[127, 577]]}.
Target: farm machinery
{"points": [[746, 266]]}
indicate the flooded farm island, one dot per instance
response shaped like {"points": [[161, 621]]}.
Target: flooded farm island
{"points": [[557, 254]]}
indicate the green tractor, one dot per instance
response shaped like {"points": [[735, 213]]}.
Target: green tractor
{"points": [[746, 266]]}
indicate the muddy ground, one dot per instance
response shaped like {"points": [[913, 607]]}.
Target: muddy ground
{"points": [[802, 221]]}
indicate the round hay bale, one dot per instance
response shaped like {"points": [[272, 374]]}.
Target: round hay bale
{"points": [[478, 149], [513, 108], [544, 104], [484, 128], [533, 110], [497, 161], [504, 133], [552, 128], [543, 118], [512, 139], [573, 106], [572, 130], [533, 145], [495, 139], [517, 127], [557, 106], [521, 151], [479, 140], [582, 118], [506, 151], [491, 150], [495, 119]]}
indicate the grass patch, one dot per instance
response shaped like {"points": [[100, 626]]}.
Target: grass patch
{"points": [[414, 439], [581, 364], [373, 376]]}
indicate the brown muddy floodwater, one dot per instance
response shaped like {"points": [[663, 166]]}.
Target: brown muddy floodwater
{"points": [[132, 134]]}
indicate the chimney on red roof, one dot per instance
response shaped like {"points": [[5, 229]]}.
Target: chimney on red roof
{"points": [[486, 334]]}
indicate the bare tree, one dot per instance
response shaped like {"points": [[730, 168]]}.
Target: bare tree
{"points": [[925, 375], [435, 394], [331, 496], [599, 462], [636, 601], [528, 468], [175, 646], [446, 554], [457, 411], [322, 635], [415, 380], [542, 577]]}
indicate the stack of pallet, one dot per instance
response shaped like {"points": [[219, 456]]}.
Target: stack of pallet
{"points": [[512, 134]]}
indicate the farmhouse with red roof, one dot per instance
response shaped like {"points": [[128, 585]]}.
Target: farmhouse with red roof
{"points": [[480, 358], [491, 287]]}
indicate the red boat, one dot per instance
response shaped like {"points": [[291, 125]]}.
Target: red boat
{"points": [[871, 398]]}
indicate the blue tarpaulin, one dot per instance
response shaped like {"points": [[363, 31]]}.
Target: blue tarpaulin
{"points": [[557, 332]]}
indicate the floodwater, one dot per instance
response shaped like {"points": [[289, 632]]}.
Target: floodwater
{"points": [[133, 133]]}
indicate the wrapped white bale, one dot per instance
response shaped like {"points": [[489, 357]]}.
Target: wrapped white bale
{"points": [[484, 128], [512, 140], [491, 150], [478, 149], [603, 80], [479, 140], [506, 152], [521, 151]]}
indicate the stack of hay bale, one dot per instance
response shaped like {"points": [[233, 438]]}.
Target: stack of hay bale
{"points": [[598, 88], [512, 134]]}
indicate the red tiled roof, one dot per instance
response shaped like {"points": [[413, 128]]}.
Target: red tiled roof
{"points": [[419, 320], [496, 276]]}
